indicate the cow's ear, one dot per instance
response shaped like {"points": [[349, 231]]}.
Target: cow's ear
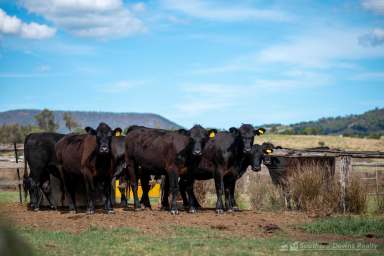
{"points": [[118, 132], [267, 148], [259, 131], [183, 131], [234, 131], [90, 130], [212, 133]]}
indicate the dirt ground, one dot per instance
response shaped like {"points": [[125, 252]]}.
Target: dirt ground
{"points": [[249, 224]]}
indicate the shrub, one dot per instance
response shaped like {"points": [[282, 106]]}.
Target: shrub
{"points": [[263, 195], [356, 197], [379, 200], [313, 189]]}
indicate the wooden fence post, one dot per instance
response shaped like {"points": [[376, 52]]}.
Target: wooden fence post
{"points": [[345, 170]]}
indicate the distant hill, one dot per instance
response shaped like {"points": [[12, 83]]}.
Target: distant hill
{"points": [[90, 118], [368, 124]]}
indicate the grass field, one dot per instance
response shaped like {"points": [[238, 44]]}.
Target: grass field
{"points": [[176, 239], [308, 141]]}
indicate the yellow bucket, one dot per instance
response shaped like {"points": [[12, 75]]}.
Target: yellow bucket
{"points": [[153, 192]]}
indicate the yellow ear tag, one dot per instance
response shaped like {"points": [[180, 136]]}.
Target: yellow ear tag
{"points": [[212, 135], [261, 132], [269, 151], [118, 134]]}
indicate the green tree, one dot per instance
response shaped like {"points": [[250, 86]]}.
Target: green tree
{"points": [[14, 133], [70, 122], [46, 121]]}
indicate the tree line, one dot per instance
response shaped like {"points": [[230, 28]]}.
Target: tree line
{"points": [[45, 122]]}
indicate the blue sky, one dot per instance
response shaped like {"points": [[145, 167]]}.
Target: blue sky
{"points": [[214, 62]]}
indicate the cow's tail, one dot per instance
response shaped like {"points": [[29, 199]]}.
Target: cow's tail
{"points": [[26, 180]]}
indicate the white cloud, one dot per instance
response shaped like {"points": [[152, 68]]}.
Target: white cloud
{"points": [[14, 26], [88, 18], [138, 7], [217, 11], [201, 98], [324, 49], [373, 38], [374, 5]]}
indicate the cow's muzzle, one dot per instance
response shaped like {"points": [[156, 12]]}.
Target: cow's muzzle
{"points": [[104, 149], [256, 168]]}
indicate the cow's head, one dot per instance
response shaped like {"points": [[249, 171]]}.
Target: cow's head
{"points": [[103, 135], [246, 132], [256, 157], [199, 136], [267, 149], [32, 188]]}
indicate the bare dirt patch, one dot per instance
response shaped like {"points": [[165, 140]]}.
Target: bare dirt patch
{"points": [[249, 224]]}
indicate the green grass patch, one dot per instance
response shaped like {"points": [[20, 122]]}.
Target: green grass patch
{"points": [[9, 197], [348, 225], [126, 241], [176, 240]]}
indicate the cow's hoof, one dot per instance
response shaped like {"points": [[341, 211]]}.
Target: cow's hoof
{"points": [[110, 212], [72, 212], [174, 212], [230, 210], [236, 209], [36, 209], [138, 209], [90, 211], [192, 210], [219, 211]]}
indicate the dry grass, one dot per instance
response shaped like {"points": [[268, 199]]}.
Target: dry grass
{"points": [[265, 196], [308, 141], [356, 197], [314, 190], [379, 201]]}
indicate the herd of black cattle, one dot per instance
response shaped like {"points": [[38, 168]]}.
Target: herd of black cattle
{"points": [[99, 156]]}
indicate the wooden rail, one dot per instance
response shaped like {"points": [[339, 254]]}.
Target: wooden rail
{"points": [[288, 152], [13, 148]]}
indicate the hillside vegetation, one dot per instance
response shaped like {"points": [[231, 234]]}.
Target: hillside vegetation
{"points": [[25, 117], [368, 124]]}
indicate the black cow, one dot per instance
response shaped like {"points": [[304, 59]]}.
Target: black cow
{"points": [[88, 156], [278, 170], [158, 152], [225, 158], [39, 154]]}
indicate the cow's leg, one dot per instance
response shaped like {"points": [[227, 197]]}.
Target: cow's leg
{"points": [[72, 194], [56, 173], [183, 186], [227, 193], [219, 185], [123, 191], [68, 192], [145, 187], [108, 195], [131, 168], [46, 188], [191, 196], [89, 190], [173, 188], [232, 194], [165, 193], [39, 197]]}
